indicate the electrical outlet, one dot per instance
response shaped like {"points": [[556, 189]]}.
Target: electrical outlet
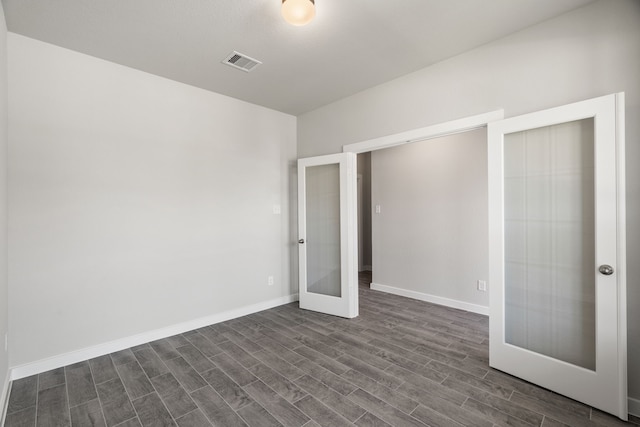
{"points": [[270, 281], [482, 285]]}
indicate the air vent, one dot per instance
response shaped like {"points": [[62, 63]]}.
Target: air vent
{"points": [[241, 62]]}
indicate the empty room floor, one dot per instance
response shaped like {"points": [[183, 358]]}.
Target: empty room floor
{"points": [[402, 362]]}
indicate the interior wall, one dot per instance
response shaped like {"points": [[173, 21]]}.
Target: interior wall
{"points": [[589, 52], [364, 169], [432, 232], [136, 202], [4, 305]]}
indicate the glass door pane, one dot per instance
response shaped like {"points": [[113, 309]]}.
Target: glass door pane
{"points": [[323, 230], [550, 241]]}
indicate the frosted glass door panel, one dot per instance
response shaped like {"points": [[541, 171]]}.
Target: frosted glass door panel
{"points": [[323, 230], [550, 241]]}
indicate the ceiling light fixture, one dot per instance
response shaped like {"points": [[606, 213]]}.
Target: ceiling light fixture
{"points": [[298, 12]]}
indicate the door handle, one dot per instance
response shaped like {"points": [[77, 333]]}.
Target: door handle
{"points": [[605, 269], [301, 241]]}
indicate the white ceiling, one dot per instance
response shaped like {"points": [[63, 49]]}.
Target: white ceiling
{"points": [[350, 46]]}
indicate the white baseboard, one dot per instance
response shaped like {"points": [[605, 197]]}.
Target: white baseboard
{"points": [[4, 399], [474, 308], [65, 359], [634, 407]]}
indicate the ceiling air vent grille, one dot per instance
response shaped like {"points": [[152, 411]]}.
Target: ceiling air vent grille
{"points": [[241, 61]]}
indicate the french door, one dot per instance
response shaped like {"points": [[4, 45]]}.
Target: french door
{"points": [[557, 250], [327, 233]]}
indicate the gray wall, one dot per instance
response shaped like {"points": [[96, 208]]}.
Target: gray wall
{"points": [[136, 202], [4, 307], [586, 53], [431, 235], [364, 169]]}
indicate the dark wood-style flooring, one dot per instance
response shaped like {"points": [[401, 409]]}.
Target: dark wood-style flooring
{"points": [[402, 362]]}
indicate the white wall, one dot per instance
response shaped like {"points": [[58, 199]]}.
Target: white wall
{"points": [[586, 53], [135, 202], [431, 235], [4, 305]]}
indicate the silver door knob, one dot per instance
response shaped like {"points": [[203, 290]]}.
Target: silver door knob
{"points": [[605, 269], [301, 241]]}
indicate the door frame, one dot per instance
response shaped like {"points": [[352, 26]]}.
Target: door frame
{"points": [[425, 133], [438, 130]]}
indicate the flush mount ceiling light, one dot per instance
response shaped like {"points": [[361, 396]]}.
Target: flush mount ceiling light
{"points": [[298, 12]]}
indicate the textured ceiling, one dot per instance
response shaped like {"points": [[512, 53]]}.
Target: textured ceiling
{"points": [[350, 46]]}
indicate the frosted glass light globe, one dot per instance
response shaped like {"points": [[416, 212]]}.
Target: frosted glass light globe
{"points": [[298, 12]]}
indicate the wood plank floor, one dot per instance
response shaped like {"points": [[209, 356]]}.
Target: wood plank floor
{"points": [[402, 362]]}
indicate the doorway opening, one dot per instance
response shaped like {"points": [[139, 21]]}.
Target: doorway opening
{"points": [[428, 219], [365, 266], [376, 246]]}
